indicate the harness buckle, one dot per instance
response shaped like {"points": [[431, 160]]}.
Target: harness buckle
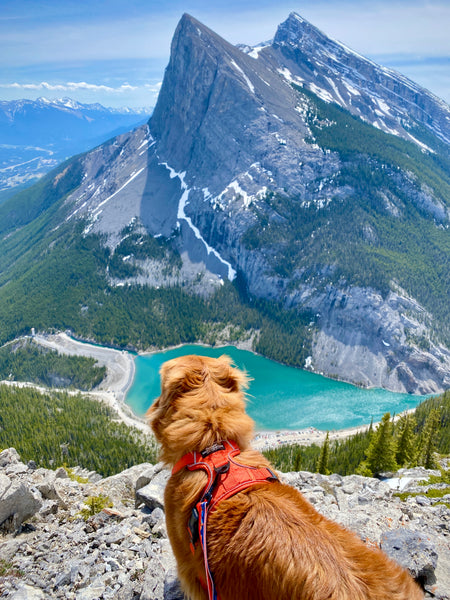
{"points": [[218, 472], [193, 528]]}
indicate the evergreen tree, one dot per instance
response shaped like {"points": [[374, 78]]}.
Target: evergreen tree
{"points": [[324, 456], [428, 440], [406, 441], [297, 460], [380, 454]]}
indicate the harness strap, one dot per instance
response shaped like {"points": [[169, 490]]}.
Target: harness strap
{"points": [[226, 477]]}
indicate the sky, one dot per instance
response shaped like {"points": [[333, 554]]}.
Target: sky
{"points": [[115, 51]]}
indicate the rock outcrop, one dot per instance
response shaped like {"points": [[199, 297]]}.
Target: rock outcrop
{"points": [[122, 552]]}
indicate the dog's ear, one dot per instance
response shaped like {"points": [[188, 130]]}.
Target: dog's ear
{"points": [[177, 377], [226, 376]]}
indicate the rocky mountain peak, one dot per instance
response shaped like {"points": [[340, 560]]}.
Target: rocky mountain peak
{"points": [[336, 73], [249, 167], [204, 73], [296, 31]]}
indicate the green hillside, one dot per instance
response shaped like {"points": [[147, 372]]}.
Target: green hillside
{"points": [[60, 283], [23, 360]]}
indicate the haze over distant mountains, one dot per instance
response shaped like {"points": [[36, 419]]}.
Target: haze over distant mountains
{"points": [[295, 191], [36, 135]]}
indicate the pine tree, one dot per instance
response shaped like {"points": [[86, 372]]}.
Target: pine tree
{"points": [[406, 454], [297, 460], [380, 455], [324, 456], [428, 440]]}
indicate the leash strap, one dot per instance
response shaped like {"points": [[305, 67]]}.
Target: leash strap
{"points": [[203, 518]]}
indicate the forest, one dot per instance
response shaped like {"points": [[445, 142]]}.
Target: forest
{"points": [[381, 231], [55, 429], [70, 291], [413, 439], [23, 360]]}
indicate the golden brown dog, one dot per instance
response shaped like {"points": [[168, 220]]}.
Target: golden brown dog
{"points": [[267, 542]]}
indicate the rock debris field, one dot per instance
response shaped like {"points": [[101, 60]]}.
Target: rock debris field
{"points": [[48, 549]]}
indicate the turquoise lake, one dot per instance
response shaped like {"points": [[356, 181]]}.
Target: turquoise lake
{"points": [[280, 397]]}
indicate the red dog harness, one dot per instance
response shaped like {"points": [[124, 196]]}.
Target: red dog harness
{"points": [[226, 477]]}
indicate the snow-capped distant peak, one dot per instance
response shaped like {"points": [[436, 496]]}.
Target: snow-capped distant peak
{"points": [[254, 51]]}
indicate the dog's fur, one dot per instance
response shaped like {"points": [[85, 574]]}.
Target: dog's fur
{"points": [[267, 542]]}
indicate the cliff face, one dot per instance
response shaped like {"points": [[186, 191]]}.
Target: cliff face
{"points": [[48, 550]]}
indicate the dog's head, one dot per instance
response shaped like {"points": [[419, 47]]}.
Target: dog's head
{"points": [[201, 403]]}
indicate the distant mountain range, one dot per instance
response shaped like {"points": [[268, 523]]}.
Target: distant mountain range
{"points": [[36, 135], [293, 194]]}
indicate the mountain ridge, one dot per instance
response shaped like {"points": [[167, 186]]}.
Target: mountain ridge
{"points": [[353, 75]]}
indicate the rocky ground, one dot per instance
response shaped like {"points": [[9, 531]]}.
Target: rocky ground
{"points": [[49, 550]]}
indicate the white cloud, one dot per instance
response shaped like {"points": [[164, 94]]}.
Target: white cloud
{"points": [[72, 86]]}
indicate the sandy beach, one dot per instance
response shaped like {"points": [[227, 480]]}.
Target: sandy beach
{"points": [[120, 371], [264, 440]]}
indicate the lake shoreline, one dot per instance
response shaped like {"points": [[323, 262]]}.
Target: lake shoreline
{"points": [[121, 371]]}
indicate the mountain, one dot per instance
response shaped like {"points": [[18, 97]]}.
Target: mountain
{"points": [[293, 195], [36, 135], [335, 73]]}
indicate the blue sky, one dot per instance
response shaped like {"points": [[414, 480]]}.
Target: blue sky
{"points": [[115, 51]]}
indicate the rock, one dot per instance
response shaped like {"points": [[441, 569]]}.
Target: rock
{"points": [[93, 592], [62, 579], [8, 457], [122, 553], [172, 589], [414, 551], [152, 495], [144, 479], [154, 517], [423, 501], [153, 587], [27, 592], [61, 473], [121, 487], [49, 507], [15, 469], [18, 502]]}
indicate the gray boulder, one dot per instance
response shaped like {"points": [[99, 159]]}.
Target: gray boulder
{"points": [[152, 494], [9, 456], [27, 592], [18, 502]]}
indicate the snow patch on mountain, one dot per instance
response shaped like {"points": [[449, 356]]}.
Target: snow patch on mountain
{"points": [[247, 80], [181, 215]]}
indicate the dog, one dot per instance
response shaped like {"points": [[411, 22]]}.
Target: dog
{"points": [[266, 542]]}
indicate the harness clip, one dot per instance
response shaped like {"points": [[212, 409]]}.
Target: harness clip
{"points": [[193, 528]]}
